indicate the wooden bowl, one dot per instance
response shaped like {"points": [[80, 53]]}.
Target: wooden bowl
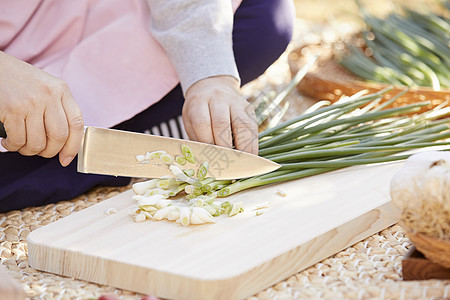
{"points": [[436, 250]]}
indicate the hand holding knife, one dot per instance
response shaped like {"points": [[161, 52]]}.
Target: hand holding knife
{"points": [[113, 152]]}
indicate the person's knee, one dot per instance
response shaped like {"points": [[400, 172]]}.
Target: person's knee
{"points": [[263, 29], [282, 16]]}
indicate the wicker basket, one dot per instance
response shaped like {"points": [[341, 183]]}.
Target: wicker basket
{"points": [[438, 251], [329, 80]]}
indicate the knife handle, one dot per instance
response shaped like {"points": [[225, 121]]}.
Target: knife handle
{"points": [[2, 131]]}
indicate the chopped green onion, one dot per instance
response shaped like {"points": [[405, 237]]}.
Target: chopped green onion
{"points": [[189, 172], [176, 190], [185, 216], [166, 158], [189, 189], [154, 154], [180, 159], [226, 207], [141, 187], [187, 153], [203, 170], [236, 208], [202, 183], [148, 208], [180, 175], [168, 183], [140, 158]]}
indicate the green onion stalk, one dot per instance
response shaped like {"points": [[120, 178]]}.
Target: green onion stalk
{"points": [[356, 131], [404, 48]]}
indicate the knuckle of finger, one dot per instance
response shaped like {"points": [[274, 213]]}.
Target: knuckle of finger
{"points": [[63, 84], [221, 123], [193, 112], [244, 125], [47, 154], [195, 97], [13, 108], [15, 144], [191, 135], [52, 86], [199, 123], [10, 147], [216, 93], [251, 113], [60, 135], [26, 152], [35, 148], [55, 88], [77, 123], [224, 141], [59, 85]]}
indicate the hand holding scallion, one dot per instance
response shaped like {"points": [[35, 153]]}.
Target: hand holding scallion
{"points": [[215, 113]]}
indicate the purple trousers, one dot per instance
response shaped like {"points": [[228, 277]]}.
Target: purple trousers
{"points": [[262, 30]]}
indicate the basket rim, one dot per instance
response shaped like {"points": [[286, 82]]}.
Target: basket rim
{"points": [[434, 249], [428, 238], [295, 61]]}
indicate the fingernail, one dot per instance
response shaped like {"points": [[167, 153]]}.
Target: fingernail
{"points": [[66, 161]]}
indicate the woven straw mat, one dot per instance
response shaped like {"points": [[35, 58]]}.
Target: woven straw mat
{"points": [[370, 269]]}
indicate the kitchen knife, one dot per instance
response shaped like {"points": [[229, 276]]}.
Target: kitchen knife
{"points": [[114, 152]]}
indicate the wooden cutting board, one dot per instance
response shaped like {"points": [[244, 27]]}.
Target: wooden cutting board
{"points": [[232, 259]]}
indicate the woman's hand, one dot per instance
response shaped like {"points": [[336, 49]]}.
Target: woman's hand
{"points": [[9, 288], [215, 113], [38, 112]]}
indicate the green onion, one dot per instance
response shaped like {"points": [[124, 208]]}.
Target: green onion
{"points": [[351, 121], [189, 172], [166, 158], [340, 163], [226, 207], [214, 185], [235, 209], [180, 159], [203, 182], [168, 183], [406, 48], [352, 139], [203, 170], [355, 130], [176, 190], [187, 153]]}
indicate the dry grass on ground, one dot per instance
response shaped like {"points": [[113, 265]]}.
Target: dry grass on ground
{"points": [[347, 10]]}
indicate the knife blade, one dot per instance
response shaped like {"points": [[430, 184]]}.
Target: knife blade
{"points": [[114, 152]]}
